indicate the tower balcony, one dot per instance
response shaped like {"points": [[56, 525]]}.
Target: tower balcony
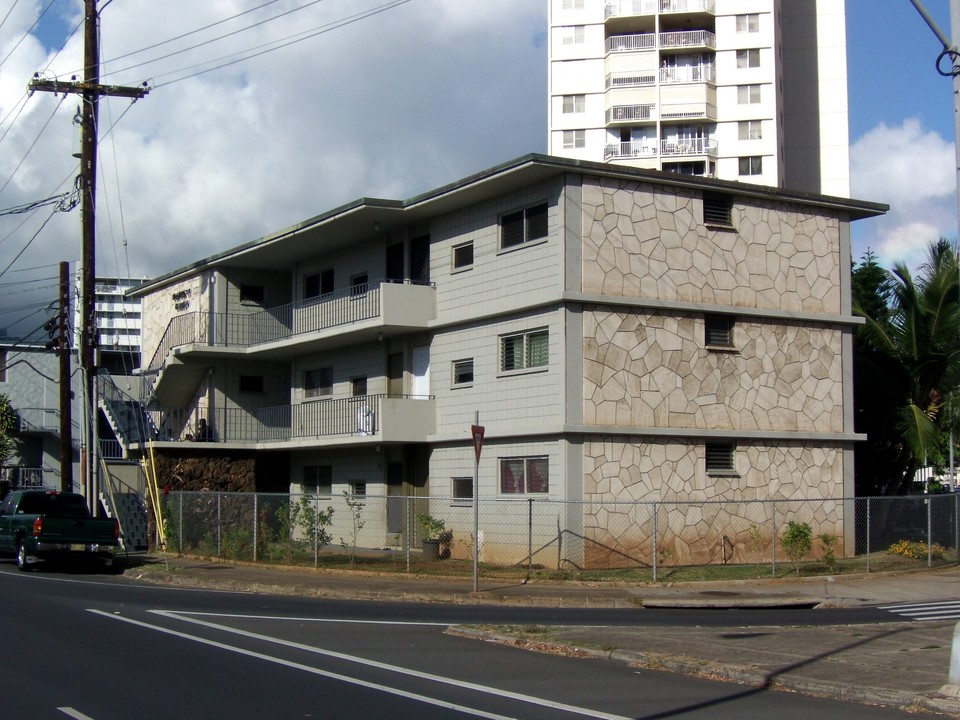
{"points": [[687, 147], [631, 114], [688, 74], [632, 8], [637, 149]]}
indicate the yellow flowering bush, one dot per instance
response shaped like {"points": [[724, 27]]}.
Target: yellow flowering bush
{"points": [[917, 550]]}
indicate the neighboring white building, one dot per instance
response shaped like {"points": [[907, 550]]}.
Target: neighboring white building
{"points": [[748, 90]]}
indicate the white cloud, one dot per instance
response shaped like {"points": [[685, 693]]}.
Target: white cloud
{"points": [[912, 169], [389, 106]]}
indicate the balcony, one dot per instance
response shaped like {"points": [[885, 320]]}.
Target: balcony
{"points": [[688, 74], [684, 147], [688, 39], [631, 113], [693, 110], [38, 420], [625, 150], [633, 78], [350, 420], [628, 8], [631, 43], [363, 309]]}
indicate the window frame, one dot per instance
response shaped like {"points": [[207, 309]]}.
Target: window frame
{"points": [[457, 364], [748, 58], [720, 459], [320, 389], [457, 485], [719, 331], [455, 256], [748, 23], [317, 482], [520, 228], [750, 130], [574, 34], [574, 104], [524, 356], [749, 94], [750, 165], [574, 139], [523, 481]]}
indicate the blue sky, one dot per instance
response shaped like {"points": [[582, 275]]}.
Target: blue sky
{"points": [[423, 94]]}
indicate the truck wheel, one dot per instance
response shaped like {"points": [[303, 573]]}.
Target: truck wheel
{"points": [[22, 562]]}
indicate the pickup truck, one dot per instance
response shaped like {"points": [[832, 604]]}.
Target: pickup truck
{"points": [[39, 525]]}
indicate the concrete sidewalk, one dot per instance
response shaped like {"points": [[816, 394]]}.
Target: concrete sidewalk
{"points": [[901, 664]]}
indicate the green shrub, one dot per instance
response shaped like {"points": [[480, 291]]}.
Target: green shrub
{"points": [[797, 541]]}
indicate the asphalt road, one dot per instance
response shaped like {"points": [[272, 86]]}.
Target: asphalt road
{"points": [[105, 648]]}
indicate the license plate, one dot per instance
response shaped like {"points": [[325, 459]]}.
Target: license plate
{"points": [[78, 547]]}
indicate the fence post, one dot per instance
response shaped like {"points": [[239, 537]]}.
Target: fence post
{"points": [[773, 520], [529, 537], [929, 531], [316, 530], [219, 528], [868, 534], [255, 497], [956, 522], [406, 530], [655, 542]]}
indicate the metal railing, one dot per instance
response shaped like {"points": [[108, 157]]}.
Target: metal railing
{"points": [[633, 78], [862, 534], [687, 74], [689, 146], [632, 42], [39, 419], [350, 305], [356, 415], [688, 38], [631, 113], [674, 111], [638, 148]]}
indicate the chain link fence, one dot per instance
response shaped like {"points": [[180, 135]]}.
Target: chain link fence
{"points": [[520, 536]]}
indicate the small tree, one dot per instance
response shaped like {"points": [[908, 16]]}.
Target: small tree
{"points": [[9, 443], [797, 541]]}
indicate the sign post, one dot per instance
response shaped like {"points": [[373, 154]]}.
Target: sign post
{"points": [[476, 431]]}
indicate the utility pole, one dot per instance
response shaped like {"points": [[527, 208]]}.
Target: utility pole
{"points": [[90, 91], [66, 396]]}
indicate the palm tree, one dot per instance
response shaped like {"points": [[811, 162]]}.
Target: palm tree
{"points": [[918, 357]]}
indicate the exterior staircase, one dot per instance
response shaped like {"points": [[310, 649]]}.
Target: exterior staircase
{"points": [[131, 511]]}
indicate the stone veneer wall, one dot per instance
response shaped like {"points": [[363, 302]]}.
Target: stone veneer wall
{"points": [[164, 304], [624, 477], [646, 242], [647, 369]]}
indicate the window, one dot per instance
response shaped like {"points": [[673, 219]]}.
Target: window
{"points": [[718, 209], [358, 386], [463, 372], [718, 331], [251, 294], [523, 226], [720, 458], [748, 58], [748, 94], [574, 103], [748, 23], [752, 165], [750, 129], [520, 351], [573, 4], [574, 138], [462, 255], [317, 284], [3, 365], [358, 488], [573, 35], [251, 383], [524, 475], [358, 285], [318, 479], [462, 490], [318, 382]]}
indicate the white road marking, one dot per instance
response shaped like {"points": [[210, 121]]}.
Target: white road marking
{"points": [[74, 714], [930, 611], [292, 618], [497, 692]]}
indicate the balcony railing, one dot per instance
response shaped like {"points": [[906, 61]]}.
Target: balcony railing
{"points": [[631, 113], [39, 419], [631, 43], [344, 307], [359, 416], [621, 8], [688, 146], [687, 74], [679, 111], [634, 78], [688, 38], [636, 149]]}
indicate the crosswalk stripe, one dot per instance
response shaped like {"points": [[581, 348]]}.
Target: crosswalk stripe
{"points": [[931, 611]]}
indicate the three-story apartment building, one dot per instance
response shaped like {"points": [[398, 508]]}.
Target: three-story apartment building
{"points": [[624, 335]]}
